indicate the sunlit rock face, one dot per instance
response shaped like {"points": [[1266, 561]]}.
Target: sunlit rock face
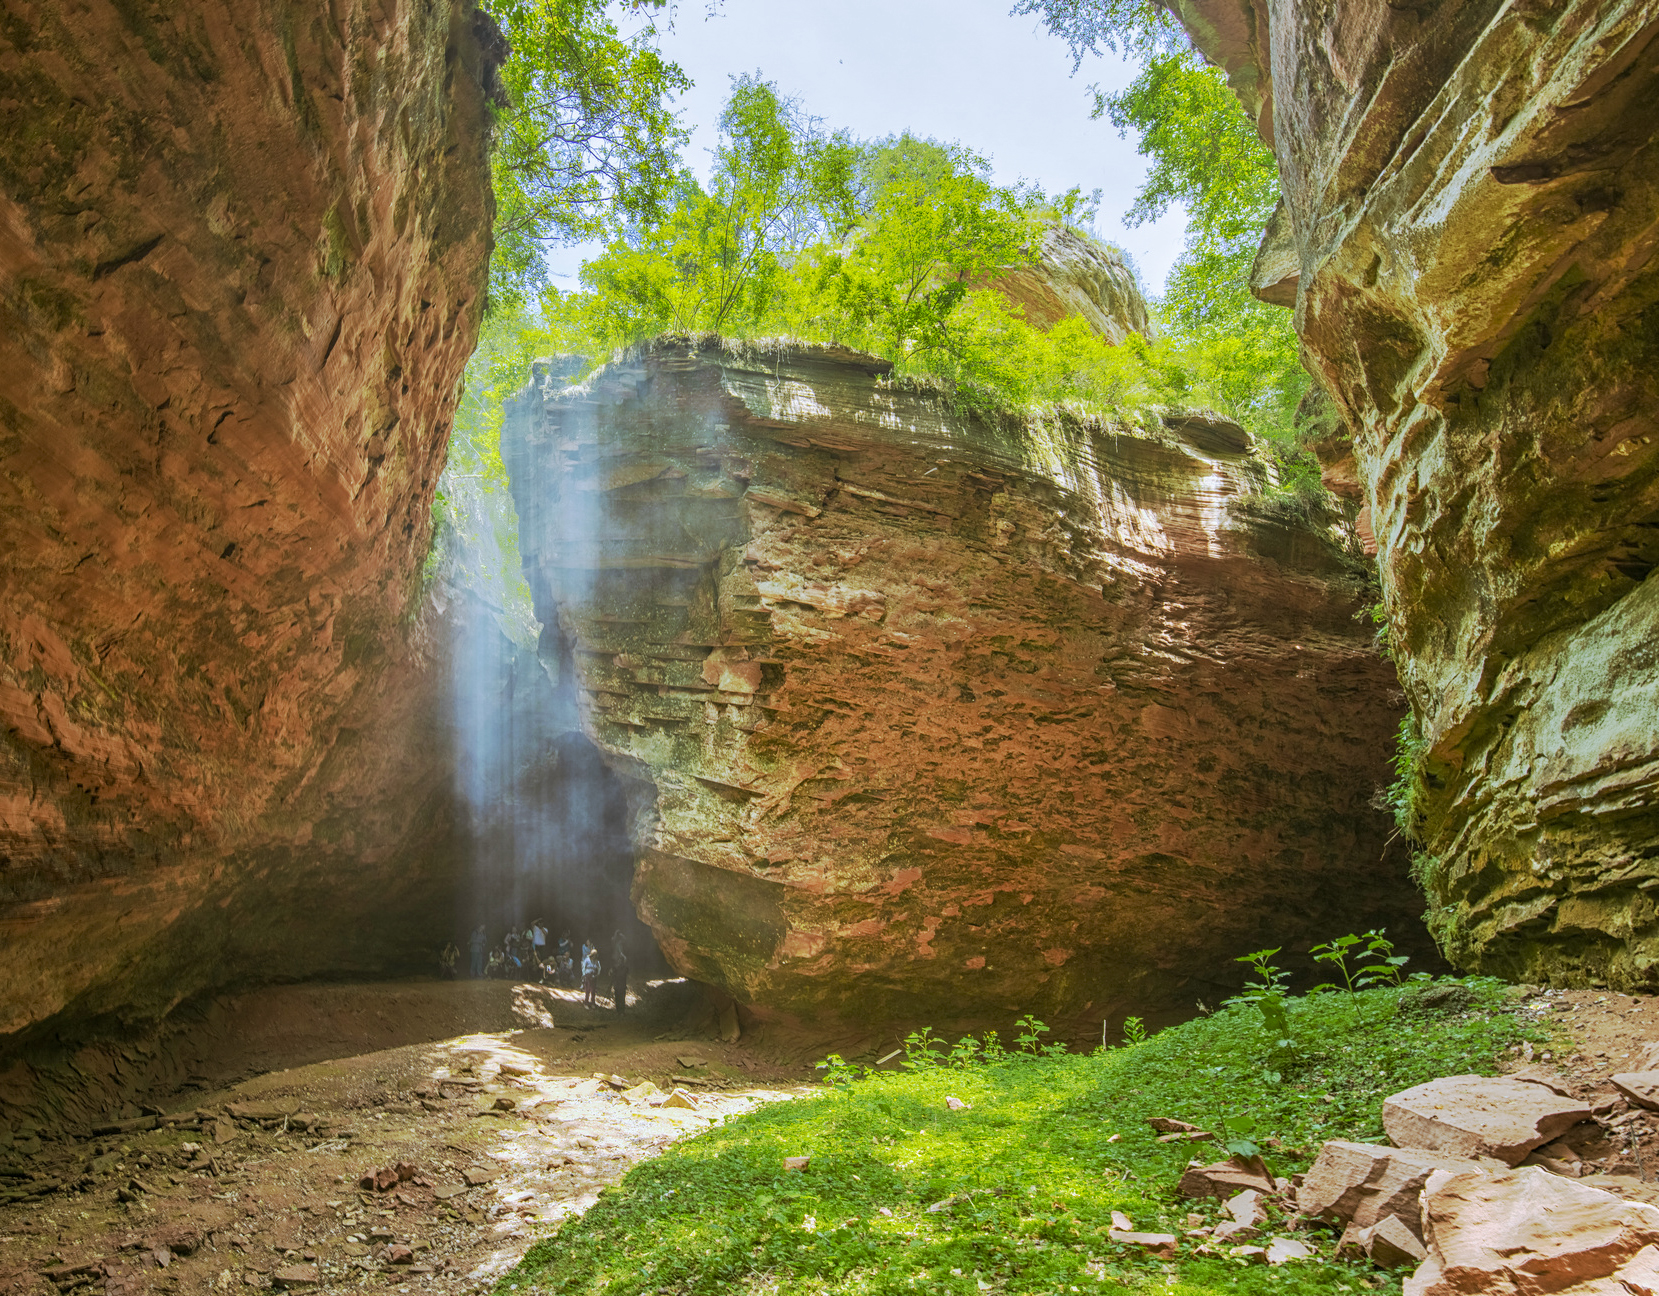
{"points": [[242, 253], [950, 718], [1074, 275], [1473, 190]]}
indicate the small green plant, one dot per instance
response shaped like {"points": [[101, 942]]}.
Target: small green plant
{"points": [[1403, 797], [967, 1052], [1134, 1032], [1385, 967], [922, 1049], [837, 1070], [1238, 1135], [1267, 995], [1377, 614], [1031, 1030]]}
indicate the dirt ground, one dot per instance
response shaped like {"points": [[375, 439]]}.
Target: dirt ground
{"points": [[286, 1154], [482, 1141]]}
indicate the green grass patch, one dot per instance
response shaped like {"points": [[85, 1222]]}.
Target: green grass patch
{"points": [[1030, 1173]]}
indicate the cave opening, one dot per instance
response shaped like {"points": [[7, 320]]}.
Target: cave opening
{"points": [[563, 851], [549, 827]]}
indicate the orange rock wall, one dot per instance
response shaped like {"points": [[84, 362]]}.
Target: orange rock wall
{"points": [[1471, 191], [242, 252], [950, 720]]}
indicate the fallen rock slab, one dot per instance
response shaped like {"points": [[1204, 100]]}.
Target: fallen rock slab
{"points": [[1168, 1125], [1388, 1243], [1530, 1231], [1549, 1077], [1640, 1087], [1158, 1244], [644, 1092], [1225, 1178], [1245, 1207], [1361, 1183], [300, 1275], [1281, 1250], [1475, 1116]]}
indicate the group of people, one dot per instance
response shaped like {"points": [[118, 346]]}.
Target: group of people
{"points": [[531, 955]]}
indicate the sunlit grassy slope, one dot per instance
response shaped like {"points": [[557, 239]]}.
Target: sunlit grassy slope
{"points": [[1015, 1192]]}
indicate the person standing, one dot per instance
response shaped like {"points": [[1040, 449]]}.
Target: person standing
{"points": [[619, 978], [476, 946], [590, 976], [538, 937], [567, 964]]}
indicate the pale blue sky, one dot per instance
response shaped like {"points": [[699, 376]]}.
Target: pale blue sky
{"points": [[953, 69]]}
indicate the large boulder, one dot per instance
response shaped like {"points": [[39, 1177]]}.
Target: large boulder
{"points": [[1073, 275], [1471, 191], [1363, 1183], [1520, 1232], [950, 718], [1480, 1116], [242, 259]]}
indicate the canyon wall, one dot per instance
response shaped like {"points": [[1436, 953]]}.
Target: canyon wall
{"points": [[948, 718], [1470, 216], [242, 257]]}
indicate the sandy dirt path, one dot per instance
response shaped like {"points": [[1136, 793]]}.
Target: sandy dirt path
{"points": [[475, 1146]]}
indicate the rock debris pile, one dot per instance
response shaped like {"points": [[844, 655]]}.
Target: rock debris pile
{"points": [[1486, 1188]]}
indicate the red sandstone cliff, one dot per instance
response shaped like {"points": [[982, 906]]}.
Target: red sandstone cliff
{"points": [[1470, 196], [242, 251], [947, 719]]}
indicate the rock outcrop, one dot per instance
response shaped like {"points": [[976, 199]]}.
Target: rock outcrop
{"points": [[1075, 276], [950, 719], [1471, 192], [242, 252]]}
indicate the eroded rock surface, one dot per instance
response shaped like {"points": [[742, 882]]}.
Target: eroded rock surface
{"points": [[241, 264], [1531, 1231], [1076, 276], [950, 719], [1472, 191]]}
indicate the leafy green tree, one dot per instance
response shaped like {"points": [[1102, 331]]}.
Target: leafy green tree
{"points": [[714, 262], [1207, 156], [933, 229], [1134, 28], [586, 138], [1241, 354]]}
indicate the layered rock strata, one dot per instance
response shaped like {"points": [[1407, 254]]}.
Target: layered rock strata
{"points": [[1471, 192], [242, 252], [950, 719]]}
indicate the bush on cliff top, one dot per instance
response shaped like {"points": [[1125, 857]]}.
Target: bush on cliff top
{"points": [[1028, 1174]]}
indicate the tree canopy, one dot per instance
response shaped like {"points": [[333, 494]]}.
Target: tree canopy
{"points": [[587, 136], [1206, 158], [891, 245]]}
